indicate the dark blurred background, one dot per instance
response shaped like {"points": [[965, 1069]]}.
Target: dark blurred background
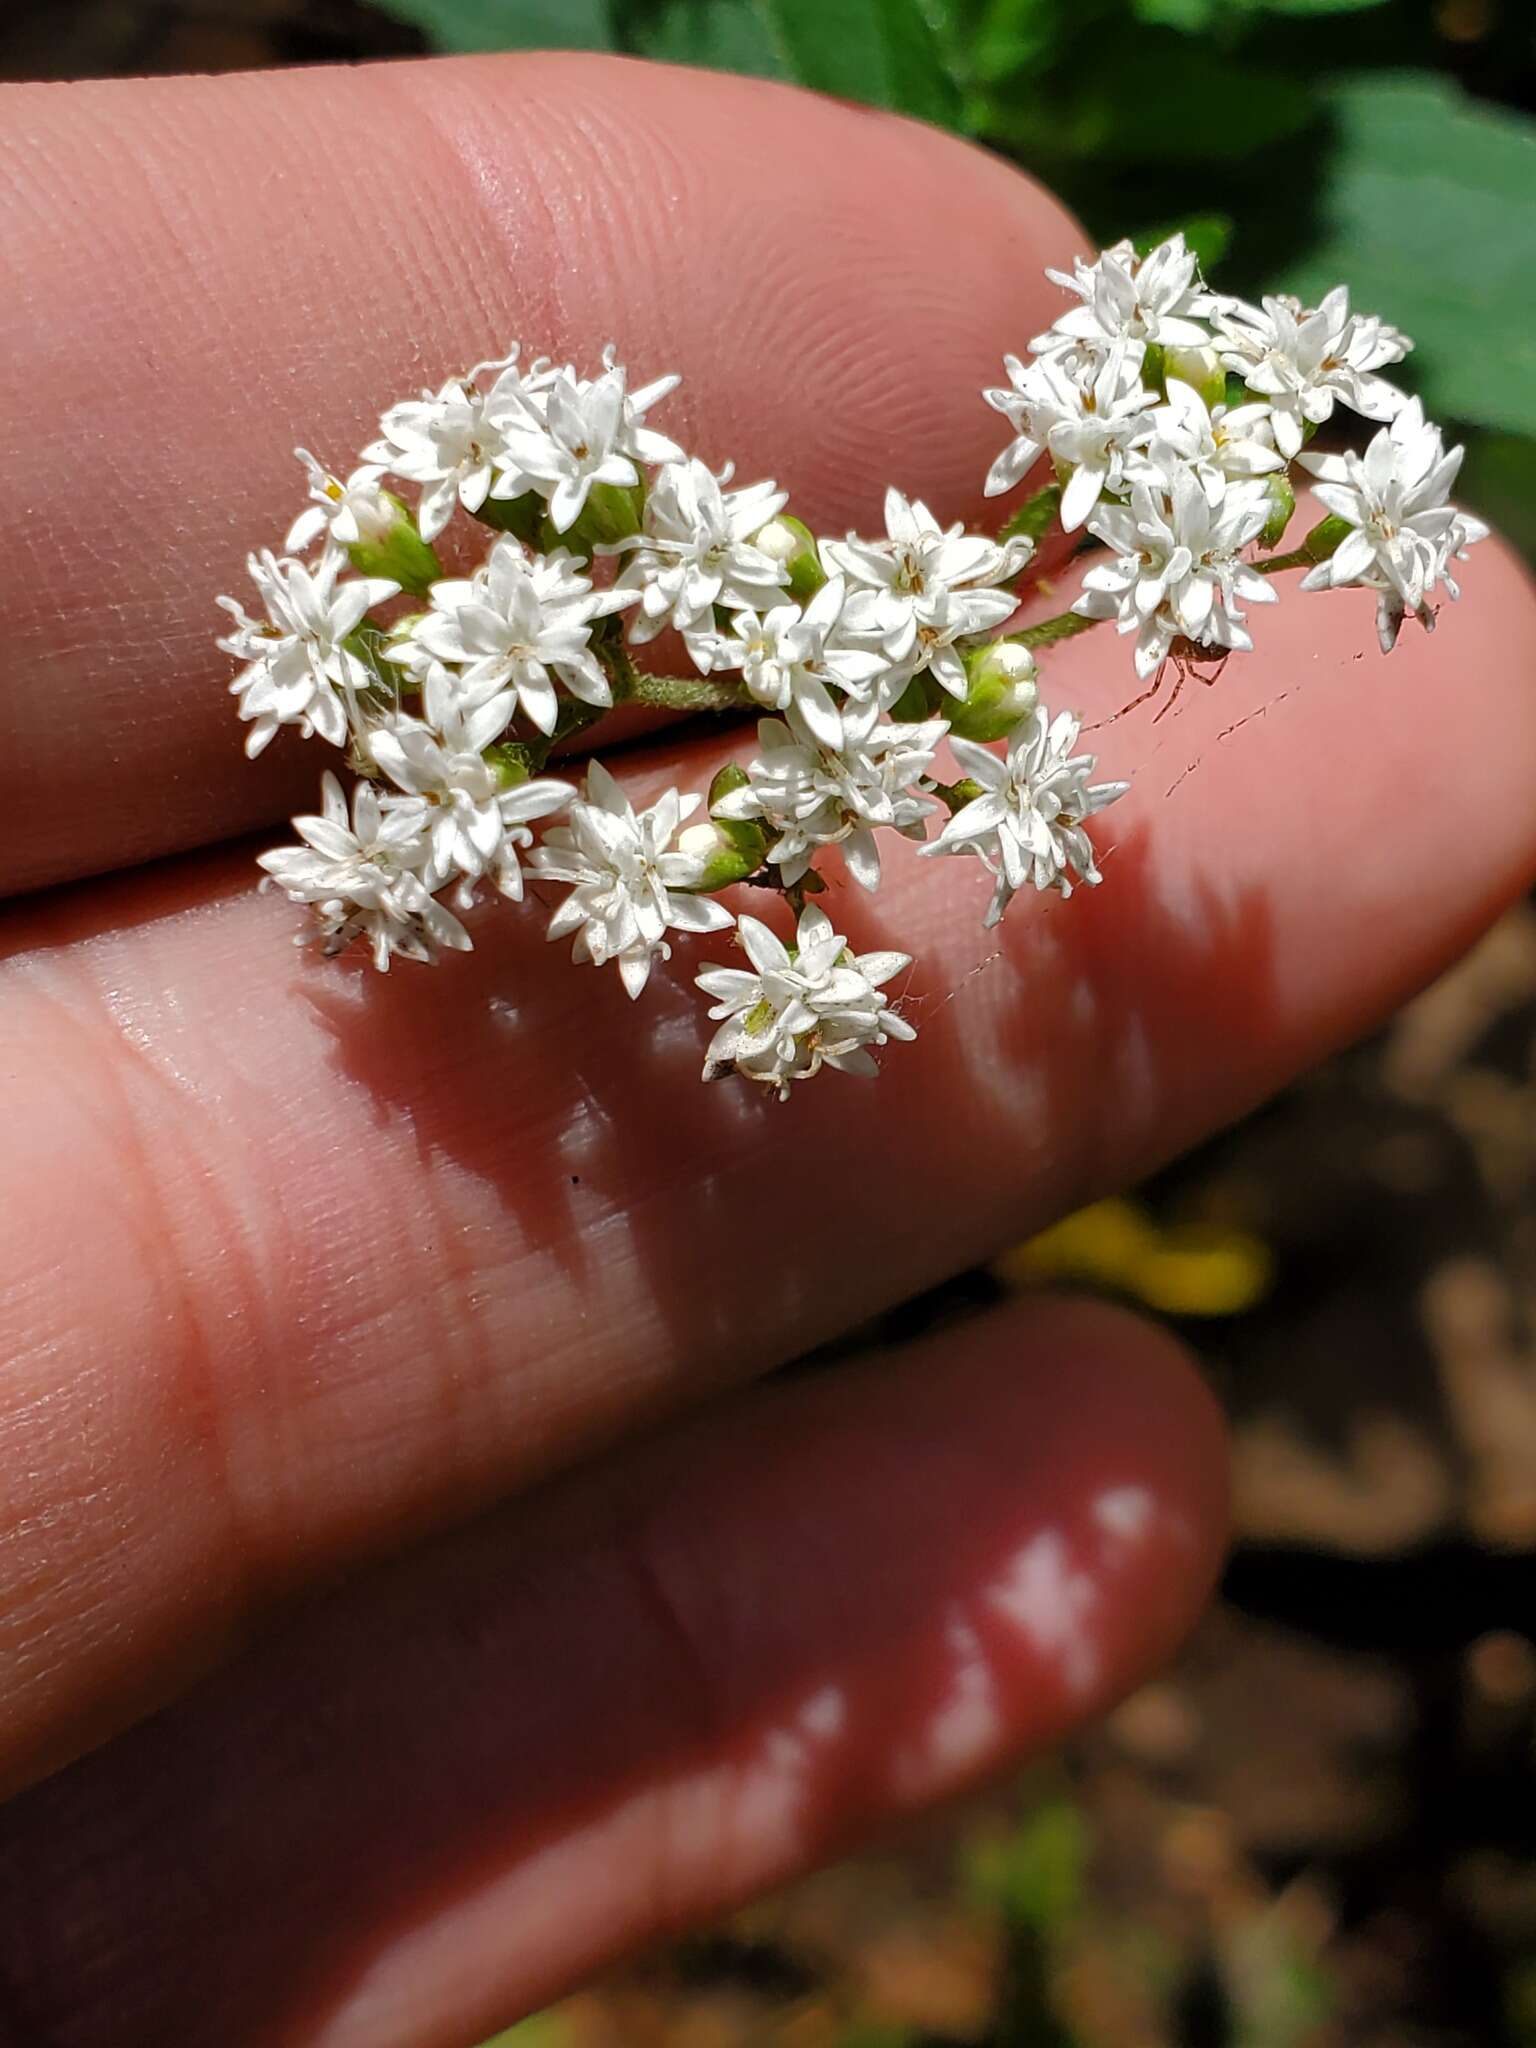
{"points": [[1319, 1828]]}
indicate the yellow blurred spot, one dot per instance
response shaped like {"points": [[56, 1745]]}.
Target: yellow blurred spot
{"points": [[1181, 1269]]}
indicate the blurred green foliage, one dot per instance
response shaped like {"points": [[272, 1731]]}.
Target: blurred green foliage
{"points": [[1324, 139]]}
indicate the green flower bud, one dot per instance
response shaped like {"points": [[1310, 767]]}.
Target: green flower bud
{"points": [[1324, 538], [721, 861], [521, 517], [399, 552], [1153, 371], [789, 541], [612, 513], [745, 835], [1282, 505], [1001, 691], [919, 700], [511, 762], [1201, 369]]}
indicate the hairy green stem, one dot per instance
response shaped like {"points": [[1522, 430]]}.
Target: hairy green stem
{"points": [[1065, 626], [688, 693], [1032, 518], [1297, 558]]}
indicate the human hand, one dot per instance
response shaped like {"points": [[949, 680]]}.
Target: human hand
{"points": [[301, 1269]]}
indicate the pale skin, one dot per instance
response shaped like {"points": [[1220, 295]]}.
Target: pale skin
{"points": [[303, 1269]]}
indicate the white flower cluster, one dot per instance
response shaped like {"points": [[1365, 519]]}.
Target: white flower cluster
{"points": [[1172, 414], [1171, 418]]}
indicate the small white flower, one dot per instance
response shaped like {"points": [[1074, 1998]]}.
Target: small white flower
{"points": [[817, 1005], [811, 796], [567, 433], [1175, 569], [1404, 535], [924, 587], [795, 656], [1088, 416], [628, 887], [1153, 298], [1304, 360], [362, 875], [456, 801], [295, 660], [345, 513], [696, 551], [448, 442], [1218, 446], [520, 624], [1027, 824]]}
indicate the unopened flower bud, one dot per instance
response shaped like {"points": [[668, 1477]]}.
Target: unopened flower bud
{"points": [[790, 542], [1324, 538], [1201, 369], [1282, 506], [718, 859], [1001, 692], [612, 513], [391, 545], [744, 835]]}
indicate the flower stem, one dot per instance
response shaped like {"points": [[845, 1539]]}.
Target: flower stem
{"points": [[687, 693], [1034, 515], [1065, 626], [1297, 558]]}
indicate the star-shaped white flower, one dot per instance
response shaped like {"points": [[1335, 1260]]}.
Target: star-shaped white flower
{"points": [[925, 587], [797, 655], [799, 1010], [472, 822], [811, 796], [1027, 824], [522, 623], [296, 662], [566, 434], [1153, 298], [345, 513], [363, 875], [628, 884], [1176, 568], [449, 442], [1303, 360], [1088, 414], [695, 551], [1403, 535], [1217, 445]]}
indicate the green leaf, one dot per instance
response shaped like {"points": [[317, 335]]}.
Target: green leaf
{"points": [[1151, 97], [509, 24], [1304, 7], [885, 52], [999, 38], [1208, 234], [1498, 480], [720, 35], [1426, 208]]}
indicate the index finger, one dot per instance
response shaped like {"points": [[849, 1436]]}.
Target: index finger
{"points": [[197, 273]]}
